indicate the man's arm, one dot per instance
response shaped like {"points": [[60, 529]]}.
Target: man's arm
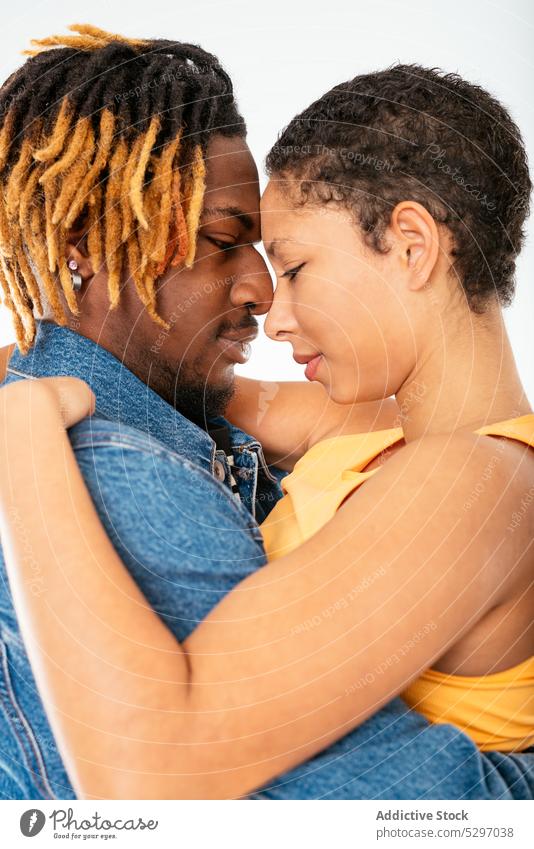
{"points": [[289, 417], [253, 691]]}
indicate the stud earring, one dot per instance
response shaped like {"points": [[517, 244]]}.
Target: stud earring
{"points": [[76, 278]]}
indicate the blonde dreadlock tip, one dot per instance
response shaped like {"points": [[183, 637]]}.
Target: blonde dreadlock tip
{"points": [[103, 35], [142, 216]]}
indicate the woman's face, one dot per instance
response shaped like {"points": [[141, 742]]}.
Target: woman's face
{"points": [[344, 307]]}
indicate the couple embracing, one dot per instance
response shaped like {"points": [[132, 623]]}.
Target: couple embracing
{"points": [[216, 587]]}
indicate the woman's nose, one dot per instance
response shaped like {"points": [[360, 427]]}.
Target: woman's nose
{"points": [[253, 286], [280, 320]]}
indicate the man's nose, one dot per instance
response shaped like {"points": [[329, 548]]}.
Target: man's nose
{"points": [[253, 286], [280, 321]]}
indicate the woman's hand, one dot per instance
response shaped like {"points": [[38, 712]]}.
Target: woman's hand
{"points": [[71, 396]]}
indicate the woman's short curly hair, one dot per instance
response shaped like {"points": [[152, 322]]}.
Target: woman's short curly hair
{"points": [[415, 133]]}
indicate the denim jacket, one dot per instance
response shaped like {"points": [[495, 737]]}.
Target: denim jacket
{"points": [[162, 492]]}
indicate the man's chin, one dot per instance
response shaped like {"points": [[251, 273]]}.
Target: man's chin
{"points": [[196, 398], [197, 395], [204, 401]]}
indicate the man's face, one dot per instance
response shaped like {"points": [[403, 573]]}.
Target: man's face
{"points": [[211, 306]]}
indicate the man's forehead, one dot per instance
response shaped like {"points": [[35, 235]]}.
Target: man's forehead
{"points": [[232, 187], [234, 195], [231, 190], [229, 162], [222, 212]]}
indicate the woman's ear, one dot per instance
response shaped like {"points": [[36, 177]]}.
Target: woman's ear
{"points": [[417, 234], [76, 250]]}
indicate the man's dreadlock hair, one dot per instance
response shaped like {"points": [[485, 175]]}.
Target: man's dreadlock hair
{"points": [[108, 133]]}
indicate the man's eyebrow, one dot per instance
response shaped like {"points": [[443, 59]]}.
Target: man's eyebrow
{"points": [[230, 212]]}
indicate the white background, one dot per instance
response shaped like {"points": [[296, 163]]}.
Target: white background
{"points": [[282, 55]]}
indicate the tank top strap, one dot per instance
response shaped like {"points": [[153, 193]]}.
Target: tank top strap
{"points": [[521, 429], [349, 451]]}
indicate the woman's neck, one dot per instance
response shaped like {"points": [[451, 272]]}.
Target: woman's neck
{"points": [[465, 379]]}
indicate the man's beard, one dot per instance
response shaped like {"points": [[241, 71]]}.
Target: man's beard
{"points": [[189, 391], [186, 386]]}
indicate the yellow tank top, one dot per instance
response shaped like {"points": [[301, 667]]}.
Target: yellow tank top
{"points": [[497, 710]]}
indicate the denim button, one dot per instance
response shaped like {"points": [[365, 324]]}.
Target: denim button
{"points": [[219, 470]]}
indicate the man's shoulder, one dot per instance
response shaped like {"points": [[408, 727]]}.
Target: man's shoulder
{"points": [[181, 533], [118, 446], [98, 433], [132, 470]]}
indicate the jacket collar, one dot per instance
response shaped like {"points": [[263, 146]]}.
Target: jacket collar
{"points": [[120, 395]]}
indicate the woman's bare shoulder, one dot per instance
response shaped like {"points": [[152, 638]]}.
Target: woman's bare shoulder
{"points": [[446, 494]]}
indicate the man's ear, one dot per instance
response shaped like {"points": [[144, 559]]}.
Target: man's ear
{"points": [[76, 249], [416, 232]]}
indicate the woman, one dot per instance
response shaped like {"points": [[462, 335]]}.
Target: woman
{"points": [[386, 284]]}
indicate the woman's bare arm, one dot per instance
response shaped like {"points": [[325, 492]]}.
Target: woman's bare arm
{"points": [[288, 417], [395, 578]]}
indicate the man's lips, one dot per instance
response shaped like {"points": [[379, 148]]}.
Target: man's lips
{"points": [[235, 344]]}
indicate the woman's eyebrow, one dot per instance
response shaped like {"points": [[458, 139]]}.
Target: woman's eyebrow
{"points": [[222, 212], [272, 247]]}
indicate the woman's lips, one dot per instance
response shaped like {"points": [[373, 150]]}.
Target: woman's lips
{"points": [[311, 361], [311, 368]]}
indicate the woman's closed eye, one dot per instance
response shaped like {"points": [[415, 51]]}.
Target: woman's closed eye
{"points": [[291, 273]]}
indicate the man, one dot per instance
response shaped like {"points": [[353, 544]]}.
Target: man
{"points": [[129, 214]]}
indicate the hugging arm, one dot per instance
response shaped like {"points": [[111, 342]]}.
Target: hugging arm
{"points": [[288, 417], [253, 690]]}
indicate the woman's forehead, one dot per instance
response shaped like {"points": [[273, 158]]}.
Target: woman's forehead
{"points": [[279, 213]]}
